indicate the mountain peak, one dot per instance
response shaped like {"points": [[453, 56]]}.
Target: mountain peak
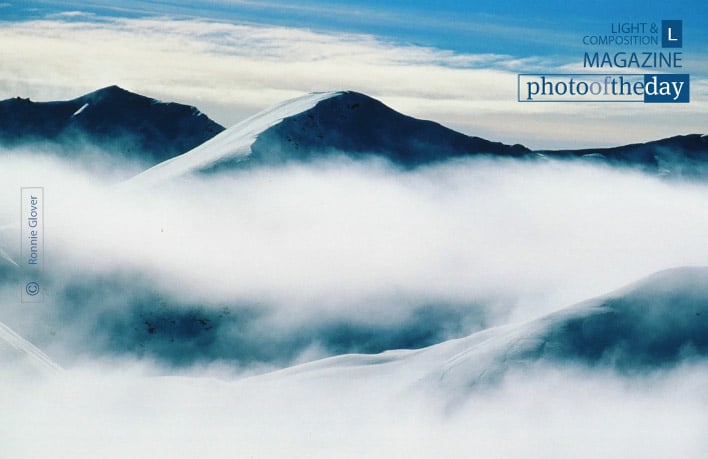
{"points": [[114, 88], [232, 146], [321, 124], [360, 125], [678, 156], [110, 91], [112, 118]]}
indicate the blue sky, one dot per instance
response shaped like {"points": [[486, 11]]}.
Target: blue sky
{"points": [[518, 28], [453, 62]]}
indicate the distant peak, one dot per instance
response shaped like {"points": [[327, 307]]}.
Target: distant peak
{"points": [[111, 89], [349, 94], [109, 92]]}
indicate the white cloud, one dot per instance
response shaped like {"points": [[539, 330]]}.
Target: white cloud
{"points": [[232, 70], [545, 413], [355, 242], [70, 14], [336, 239], [343, 238]]}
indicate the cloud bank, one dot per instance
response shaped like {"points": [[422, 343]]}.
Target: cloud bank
{"points": [[273, 265], [539, 413], [167, 304]]}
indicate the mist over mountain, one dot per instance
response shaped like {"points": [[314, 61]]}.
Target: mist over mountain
{"points": [[125, 318], [348, 123], [678, 156], [302, 129], [112, 119], [654, 324], [359, 125], [319, 125], [126, 315], [331, 265], [20, 356]]}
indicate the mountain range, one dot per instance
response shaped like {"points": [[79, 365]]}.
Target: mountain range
{"points": [[184, 140], [652, 325], [111, 119], [655, 323], [648, 325]]}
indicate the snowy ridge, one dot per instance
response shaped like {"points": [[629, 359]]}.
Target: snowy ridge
{"points": [[650, 324], [120, 123], [230, 144], [14, 348], [6, 257], [456, 365]]}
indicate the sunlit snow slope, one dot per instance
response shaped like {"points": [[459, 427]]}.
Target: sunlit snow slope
{"points": [[658, 322], [322, 124], [18, 353], [234, 144]]}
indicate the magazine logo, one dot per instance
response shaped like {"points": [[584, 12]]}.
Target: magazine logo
{"points": [[672, 34], [647, 88], [619, 87]]}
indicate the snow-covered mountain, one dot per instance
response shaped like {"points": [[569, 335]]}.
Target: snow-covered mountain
{"points": [[231, 146], [360, 125], [658, 322], [319, 124], [111, 118], [16, 353], [303, 128], [678, 156]]}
